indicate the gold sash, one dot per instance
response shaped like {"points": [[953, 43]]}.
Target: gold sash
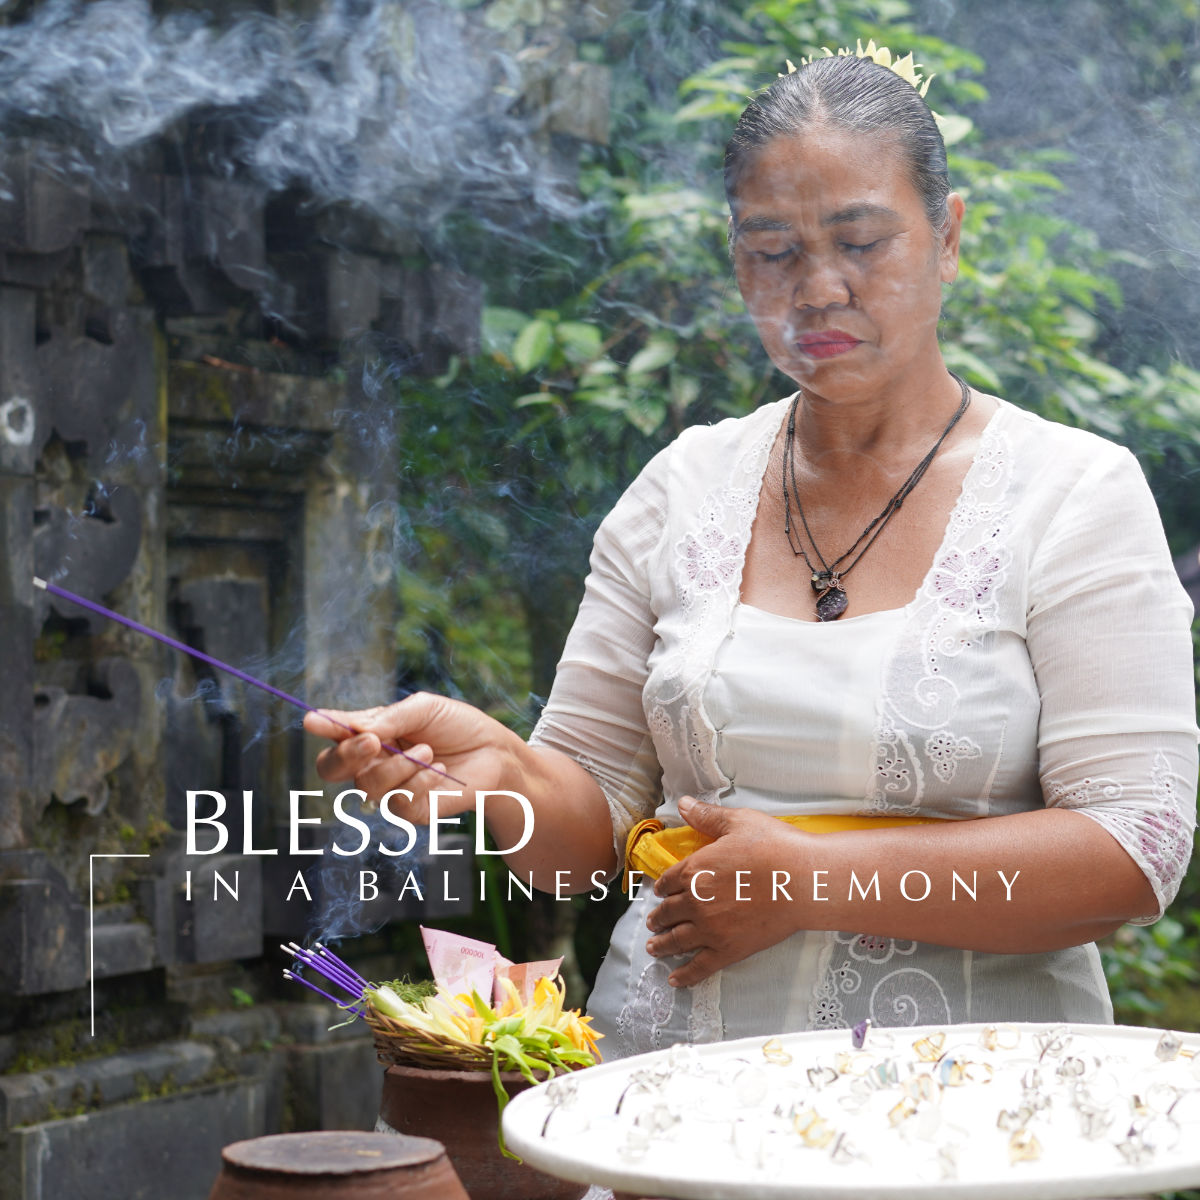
{"points": [[652, 847]]}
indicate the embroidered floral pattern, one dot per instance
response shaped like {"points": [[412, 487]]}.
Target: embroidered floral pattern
{"points": [[898, 776], [710, 559], [902, 995], [826, 1010], [1086, 791], [909, 996], [640, 1023], [914, 738], [871, 943], [989, 465], [1164, 843], [705, 1023], [1167, 844], [868, 947], [707, 558], [965, 581], [944, 751], [659, 722]]}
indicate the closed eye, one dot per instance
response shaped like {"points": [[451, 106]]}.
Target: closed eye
{"points": [[861, 247], [775, 257]]}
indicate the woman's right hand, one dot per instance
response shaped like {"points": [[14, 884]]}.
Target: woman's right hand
{"points": [[434, 732]]}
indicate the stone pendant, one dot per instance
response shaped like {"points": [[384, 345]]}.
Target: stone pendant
{"points": [[831, 604]]}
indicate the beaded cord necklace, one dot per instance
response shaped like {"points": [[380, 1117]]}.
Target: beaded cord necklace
{"points": [[827, 582]]}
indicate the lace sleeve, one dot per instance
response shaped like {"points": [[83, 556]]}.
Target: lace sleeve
{"points": [[594, 713], [1109, 637]]}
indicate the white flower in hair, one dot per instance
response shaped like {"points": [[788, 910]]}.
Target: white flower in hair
{"points": [[904, 67]]}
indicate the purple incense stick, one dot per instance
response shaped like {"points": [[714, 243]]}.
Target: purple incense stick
{"points": [[312, 987], [325, 952], [331, 970], [55, 590], [335, 976]]}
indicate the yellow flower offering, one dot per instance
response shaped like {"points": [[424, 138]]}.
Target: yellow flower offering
{"points": [[461, 1031]]}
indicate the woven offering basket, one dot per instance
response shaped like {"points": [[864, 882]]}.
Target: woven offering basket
{"points": [[398, 1044]]}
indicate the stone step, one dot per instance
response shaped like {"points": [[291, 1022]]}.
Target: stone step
{"points": [[56, 1092], [164, 1147]]}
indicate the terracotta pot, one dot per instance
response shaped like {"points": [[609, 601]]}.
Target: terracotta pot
{"points": [[458, 1108], [336, 1165]]}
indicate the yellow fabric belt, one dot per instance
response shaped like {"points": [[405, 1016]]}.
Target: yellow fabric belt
{"points": [[652, 847]]}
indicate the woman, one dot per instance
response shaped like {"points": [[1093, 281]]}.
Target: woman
{"points": [[888, 596]]}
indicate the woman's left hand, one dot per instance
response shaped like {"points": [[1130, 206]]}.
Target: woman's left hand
{"points": [[730, 899]]}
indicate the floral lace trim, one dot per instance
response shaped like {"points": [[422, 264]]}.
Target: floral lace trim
{"points": [[909, 996], [710, 556], [914, 737], [898, 770], [641, 1021], [1157, 835], [957, 603], [1167, 840], [705, 1023], [709, 559], [826, 1010], [904, 995], [1085, 791]]}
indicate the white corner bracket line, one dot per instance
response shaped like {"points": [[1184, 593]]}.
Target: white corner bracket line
{"points": [[92, 929]]}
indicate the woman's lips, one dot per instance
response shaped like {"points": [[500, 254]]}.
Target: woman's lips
{"points": [[826, 344]]}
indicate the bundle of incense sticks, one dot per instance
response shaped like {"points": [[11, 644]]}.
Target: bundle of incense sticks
{"points": [[333, 969], [175, 644]]}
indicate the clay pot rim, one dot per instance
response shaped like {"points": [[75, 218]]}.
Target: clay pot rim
{"points": [[285, 1154], [471, 1075]]}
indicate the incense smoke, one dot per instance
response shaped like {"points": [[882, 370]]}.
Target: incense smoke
{"points": [[404, 111]]}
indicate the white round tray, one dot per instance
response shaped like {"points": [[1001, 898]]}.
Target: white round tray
{"points": [[730, 1116]]}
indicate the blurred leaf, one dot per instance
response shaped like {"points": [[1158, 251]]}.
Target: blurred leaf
{"points": [[658, 352], [955, 128], [500, 326], [581, 341], [532, 346]]}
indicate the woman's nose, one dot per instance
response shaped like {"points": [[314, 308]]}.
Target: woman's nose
{"points": [[820, 283]]}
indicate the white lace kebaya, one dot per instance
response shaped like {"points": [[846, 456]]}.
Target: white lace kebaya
{"points": [[1045, 660]]}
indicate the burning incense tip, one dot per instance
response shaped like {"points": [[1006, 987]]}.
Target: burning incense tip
{"points": [[216, 663]]}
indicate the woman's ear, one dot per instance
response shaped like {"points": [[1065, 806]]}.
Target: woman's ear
{"points": [[948, 250]]}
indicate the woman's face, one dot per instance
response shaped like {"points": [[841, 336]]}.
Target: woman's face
{"points": [[837, 261]]}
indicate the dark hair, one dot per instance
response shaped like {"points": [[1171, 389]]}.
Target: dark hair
{"points": [[855, 94]]}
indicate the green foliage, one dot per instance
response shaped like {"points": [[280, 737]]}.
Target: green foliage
{"points": [[625, 326], [1142, 963]]}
